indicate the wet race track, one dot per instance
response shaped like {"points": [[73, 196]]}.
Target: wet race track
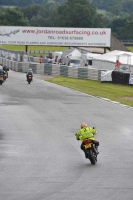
{"points": [[40, 159]]}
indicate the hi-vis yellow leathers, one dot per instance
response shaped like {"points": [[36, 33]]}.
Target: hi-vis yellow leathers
{"points": [[86, 133]]}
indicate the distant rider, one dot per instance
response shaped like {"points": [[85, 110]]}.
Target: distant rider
{"points": [[30, 72], [87, 133], [5, 68], [2, 73]]}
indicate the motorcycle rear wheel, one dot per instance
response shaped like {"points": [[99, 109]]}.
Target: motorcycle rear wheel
{"points": [[28, 81], [91, 156]]}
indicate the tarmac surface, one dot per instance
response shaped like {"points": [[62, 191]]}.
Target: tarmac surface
{"points": [[40, 158], [43, 76]]}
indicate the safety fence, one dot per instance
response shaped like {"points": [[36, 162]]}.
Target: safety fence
{"points": [[19, 56], [53, 69]]}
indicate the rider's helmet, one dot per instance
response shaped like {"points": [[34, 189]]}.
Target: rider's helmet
{"points": [[83, 125], [30, 69]]}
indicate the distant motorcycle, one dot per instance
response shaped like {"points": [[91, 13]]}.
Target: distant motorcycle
{"points": [[29, 78], [90, 150], [2, 76], [1, 79], [5, 75]]}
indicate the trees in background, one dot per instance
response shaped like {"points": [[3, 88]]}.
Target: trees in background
{"points": [[79, 13], [16, 2], [39, 15], [29, 2], [116, 26], [114, 6], [44, 18], [128, 29], [128, 6], [73, 13], [12, 17], [122, 28], [32, 10]]}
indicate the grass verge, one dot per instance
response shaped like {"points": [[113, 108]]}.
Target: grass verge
{"points": [[130, 48], [115, 92], [35, 48]]}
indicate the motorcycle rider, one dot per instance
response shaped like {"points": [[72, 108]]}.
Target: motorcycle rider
{"points": [[5, 68], [2, 73], [30, 72], [87, 133]]}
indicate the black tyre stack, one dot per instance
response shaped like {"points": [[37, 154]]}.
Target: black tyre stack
{"points": [[120, 77]]}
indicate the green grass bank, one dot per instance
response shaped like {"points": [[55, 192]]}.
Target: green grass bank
{"points": [[115, 92]]}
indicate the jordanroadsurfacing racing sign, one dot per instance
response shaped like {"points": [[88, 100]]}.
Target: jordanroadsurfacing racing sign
{"points": [[55, 36]]}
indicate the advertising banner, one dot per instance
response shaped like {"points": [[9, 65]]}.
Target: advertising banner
{"points": [[54, 36]]}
